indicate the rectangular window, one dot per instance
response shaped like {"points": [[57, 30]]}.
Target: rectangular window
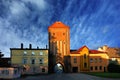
{"points": [[5, 72], [91, 68], [95, 60], [24, 61], [25, 53], [43, 69], [100, 67], [33, 61], [41, 61], [96, 68], [91, 60], [41, 53], [33, 53], [85, 56], [100, 60], [15, 71], [75, 60]]}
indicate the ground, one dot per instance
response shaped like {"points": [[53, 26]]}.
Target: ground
{"points": [[64, 76]]}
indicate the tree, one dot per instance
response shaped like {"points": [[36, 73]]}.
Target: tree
{"points": [[112, 67], [1, 55]]}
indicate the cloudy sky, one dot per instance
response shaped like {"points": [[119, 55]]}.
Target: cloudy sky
{"points": [[92, 22]]}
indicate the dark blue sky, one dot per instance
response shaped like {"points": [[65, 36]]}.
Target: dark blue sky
{"points": [[92, 22]]}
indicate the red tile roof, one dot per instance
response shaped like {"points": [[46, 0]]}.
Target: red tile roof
{"points": [[95, 51], [82, 48]]}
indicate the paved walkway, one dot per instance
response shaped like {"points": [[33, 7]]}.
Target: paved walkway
{"points": [[69, 76]]}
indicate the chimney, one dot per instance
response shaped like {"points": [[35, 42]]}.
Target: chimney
{"points": [[37, 47], [21, 45], [46, 46], [30, 46]]}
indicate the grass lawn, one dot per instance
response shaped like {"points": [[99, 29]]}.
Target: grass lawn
{"points": [[104, 74]]}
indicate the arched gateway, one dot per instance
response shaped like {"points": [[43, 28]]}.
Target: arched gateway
{"points": [[58, 68]]}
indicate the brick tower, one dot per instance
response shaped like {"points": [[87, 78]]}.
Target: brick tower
{"points": [[59, 44]]}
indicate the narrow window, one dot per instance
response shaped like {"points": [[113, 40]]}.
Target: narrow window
{"points": [[41, 61], [43, 69], [96, 60], [95, 67], [91, 60], [33, 61], [100, 67], [75, 60], [24, 61], [91, 68], [6, 72], [100, 60], [85, 56], [85, 65], [15, 71]]}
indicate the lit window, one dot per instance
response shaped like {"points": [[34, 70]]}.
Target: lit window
{"points": [[25, 53], [33, 53], [32, 61], [41, 53], [41, 61], [75, 60], [24, 61]]}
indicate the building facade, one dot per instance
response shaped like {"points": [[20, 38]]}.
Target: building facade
{"points": [[59, 45], [30, 60], [113, 53], [7, 71], [85, 60]]}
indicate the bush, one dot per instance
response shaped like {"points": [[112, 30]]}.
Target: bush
{"points": [[112, 67]]}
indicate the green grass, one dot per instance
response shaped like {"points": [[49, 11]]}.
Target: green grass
{"points": [[104, 74]]}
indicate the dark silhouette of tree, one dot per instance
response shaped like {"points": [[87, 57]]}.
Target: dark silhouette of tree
{"points": [[1, 55], [113, 67]]}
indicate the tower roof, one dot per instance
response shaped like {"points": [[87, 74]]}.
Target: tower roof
{"points": [[58, 24]]}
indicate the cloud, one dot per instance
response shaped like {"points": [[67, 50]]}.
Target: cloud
{"points": [[92, 23]]}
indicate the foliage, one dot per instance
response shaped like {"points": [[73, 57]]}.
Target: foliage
{"points": [[113, 67]]}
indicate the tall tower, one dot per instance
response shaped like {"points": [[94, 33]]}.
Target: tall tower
{"points": [[59, 43]]}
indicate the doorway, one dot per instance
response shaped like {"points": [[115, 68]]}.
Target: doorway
{"points": [[75, 69]]}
